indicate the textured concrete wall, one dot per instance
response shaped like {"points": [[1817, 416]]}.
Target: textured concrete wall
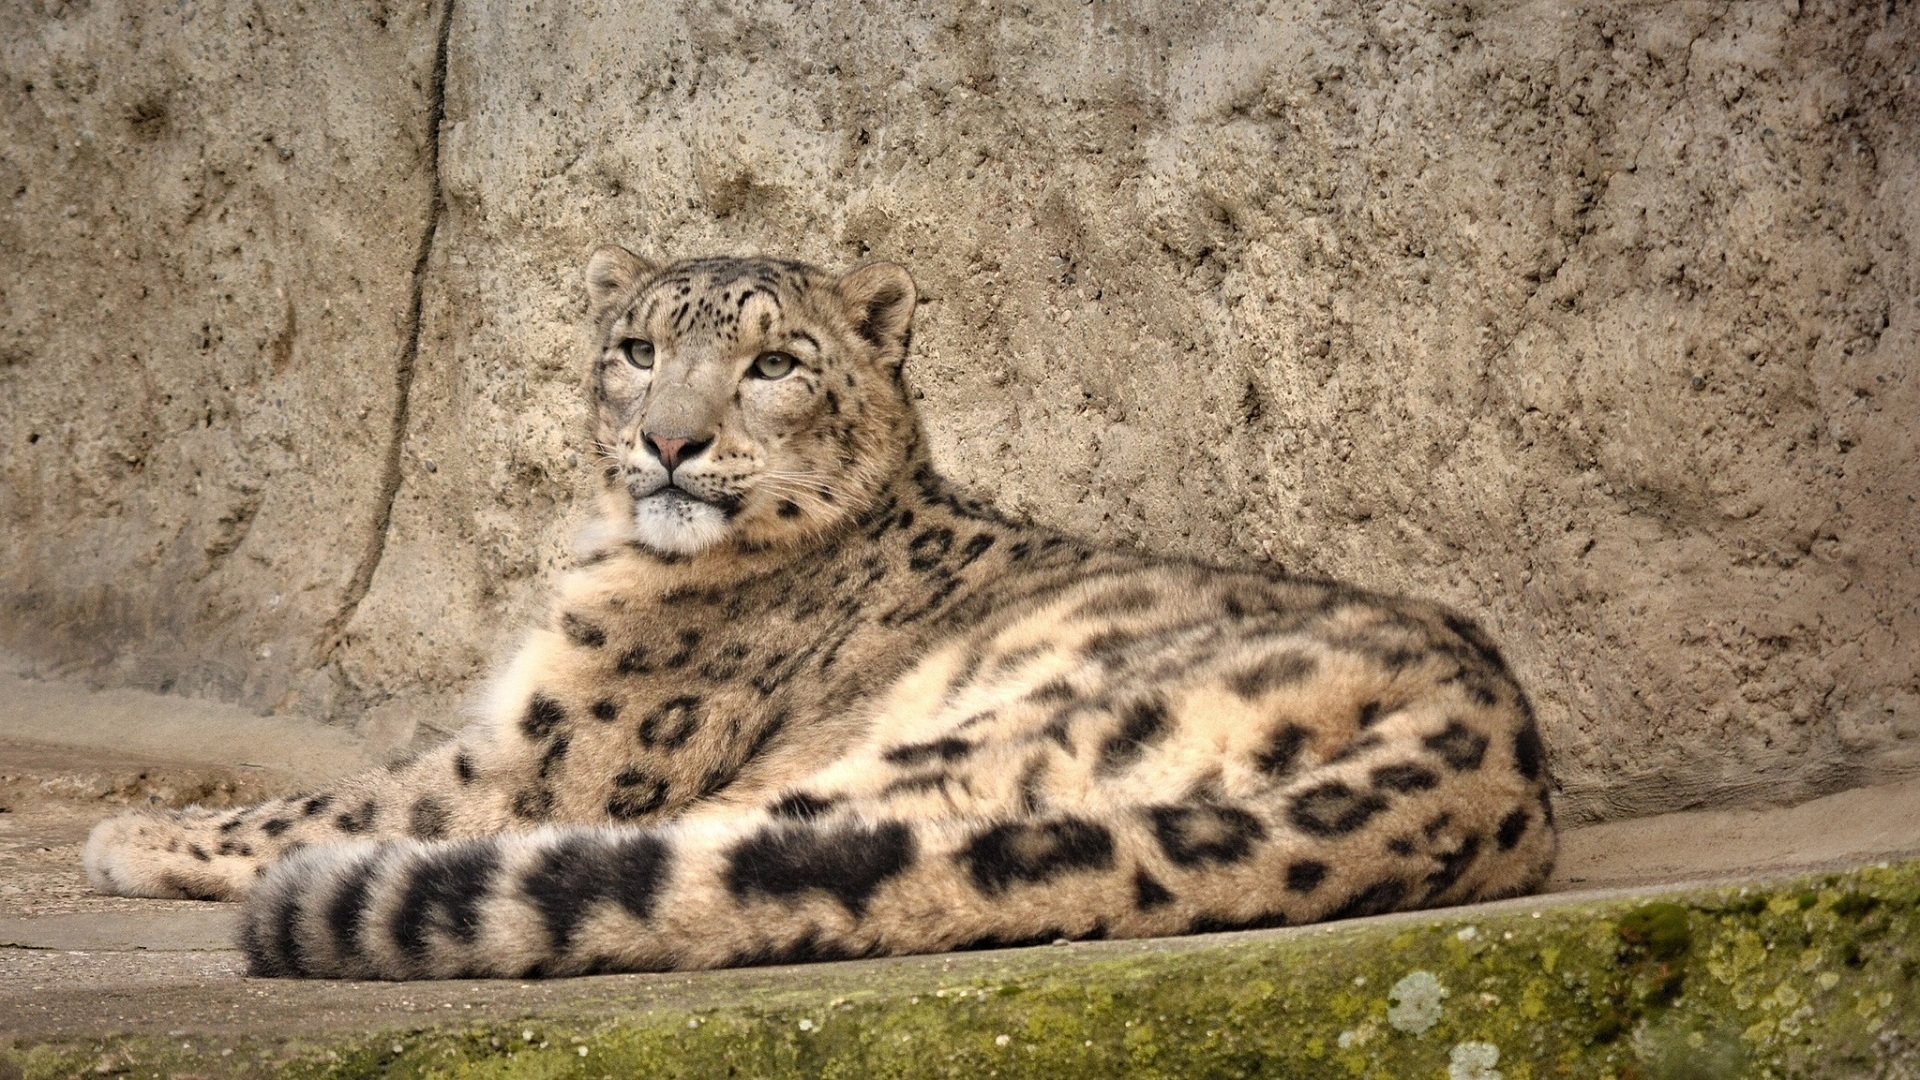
{"points": [[206, 260], [1596, 320]]}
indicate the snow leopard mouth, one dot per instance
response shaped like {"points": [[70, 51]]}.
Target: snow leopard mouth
{"points": [[671, 496]]}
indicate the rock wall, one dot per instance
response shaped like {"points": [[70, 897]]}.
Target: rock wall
{"points": [[1598, 321], [214, 213]]}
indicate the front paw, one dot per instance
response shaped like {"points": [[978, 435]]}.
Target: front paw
{"points": [[156, 853]]}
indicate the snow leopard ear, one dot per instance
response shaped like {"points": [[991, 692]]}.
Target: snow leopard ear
{"points": [[879, 299], [612, 272]]}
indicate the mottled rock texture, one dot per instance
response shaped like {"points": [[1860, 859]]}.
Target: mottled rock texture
{"points": [[1805, 979], [206, 254], [1597, 320]]}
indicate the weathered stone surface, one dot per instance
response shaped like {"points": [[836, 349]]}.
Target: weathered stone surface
{"points": [[214, 212], [1808, 978], [1598, 322], [154, 986]]}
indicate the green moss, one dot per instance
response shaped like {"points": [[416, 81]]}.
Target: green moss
{"points": [[1659, 929], [1812, 979]]}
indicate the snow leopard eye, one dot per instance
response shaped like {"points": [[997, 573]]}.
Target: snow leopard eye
{"points": [[638, 353], [772, 365]]}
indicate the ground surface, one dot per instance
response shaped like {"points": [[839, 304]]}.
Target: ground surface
{"points": [[76, 967]]}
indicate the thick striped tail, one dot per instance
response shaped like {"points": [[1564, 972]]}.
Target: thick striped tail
{"points": [[565, 901]]}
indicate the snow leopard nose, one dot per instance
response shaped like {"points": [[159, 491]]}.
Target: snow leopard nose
{"points": [[672, 452]]}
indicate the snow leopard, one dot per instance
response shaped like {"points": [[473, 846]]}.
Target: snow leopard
{"points": [[802, 699]]}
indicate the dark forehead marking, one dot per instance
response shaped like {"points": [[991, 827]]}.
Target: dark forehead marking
{"points": [[652, 309], [721, 273], [710, 293]]}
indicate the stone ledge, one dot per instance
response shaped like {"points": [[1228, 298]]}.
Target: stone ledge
{"points": [[1806, 977]]}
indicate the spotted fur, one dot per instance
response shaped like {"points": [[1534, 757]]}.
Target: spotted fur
{"points": [[803, 700]]}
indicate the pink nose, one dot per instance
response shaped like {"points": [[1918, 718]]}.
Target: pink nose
{"points": [[672, 452], [668, 449]]}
